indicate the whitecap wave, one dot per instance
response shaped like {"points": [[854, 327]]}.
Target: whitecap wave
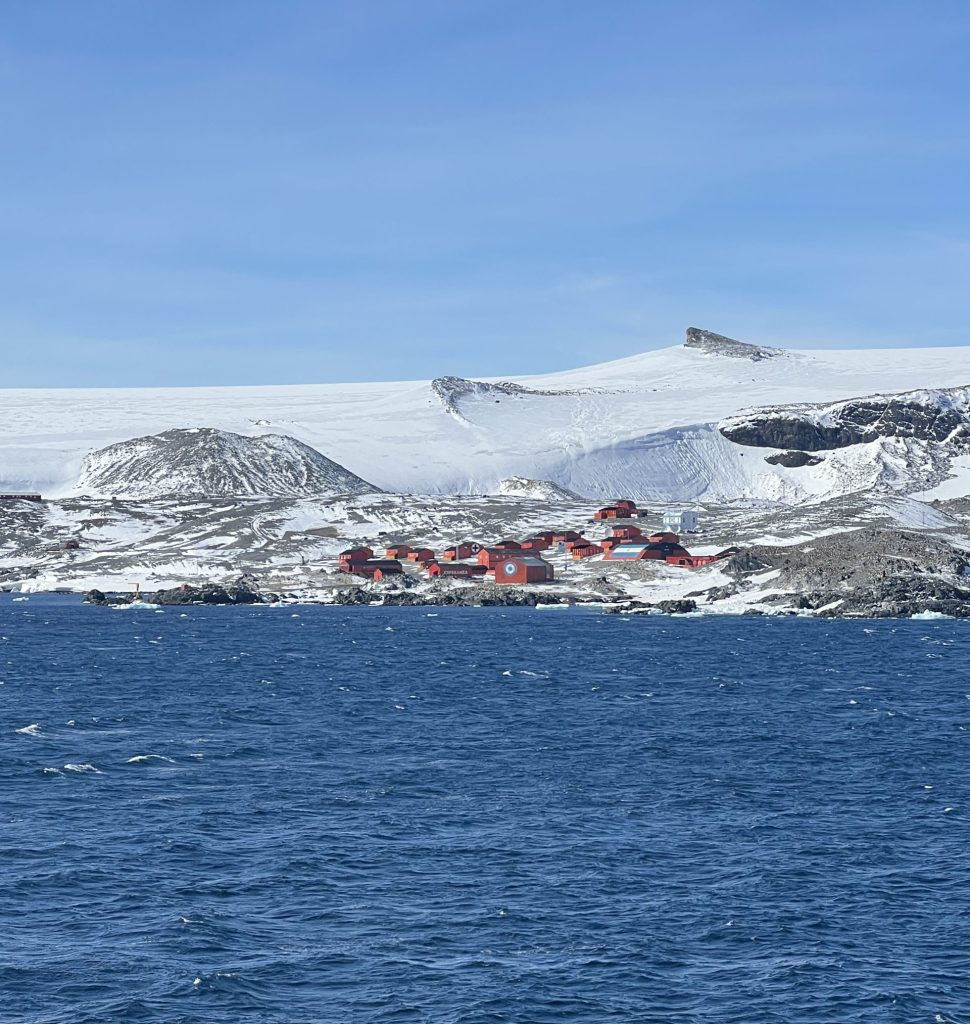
{"points": [[30, 730], [83, 768], [139, 758]]}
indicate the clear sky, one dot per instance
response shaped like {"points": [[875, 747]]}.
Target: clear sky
{"points": [[271, 191]]}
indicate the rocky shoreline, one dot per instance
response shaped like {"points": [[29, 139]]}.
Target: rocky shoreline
{"points": [[247, 593], [864, 573]]}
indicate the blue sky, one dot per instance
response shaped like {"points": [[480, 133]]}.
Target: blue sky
{"points": [[273, 192]]}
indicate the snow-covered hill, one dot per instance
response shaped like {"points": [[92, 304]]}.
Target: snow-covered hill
{"points": [[523, 487], [214, 463], [646, 426]]}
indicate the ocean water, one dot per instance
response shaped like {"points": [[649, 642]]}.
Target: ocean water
{"points": [[303, 815]]}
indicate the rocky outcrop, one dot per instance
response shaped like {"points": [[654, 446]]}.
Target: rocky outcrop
{"points": [[775, 430], [871, 572], [922, 415], [896, 598], [451, 391], [483, 596], [525, 487], [718, 345], [682, 606], [676, 607], [792, 460], [239, 592], [743, 563], [206, 462]]}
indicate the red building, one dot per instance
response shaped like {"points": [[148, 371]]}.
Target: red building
{"points": [[398, 551], [460, 551], [699, 561], [420, 555], [376, 569], [623, 509], [607, 512], [353, 556], [519, 569], [508, 545], [639, 551], [664, 537], [460, 570], [565, 536], [586, 550], [489, 556], [630, 532]]}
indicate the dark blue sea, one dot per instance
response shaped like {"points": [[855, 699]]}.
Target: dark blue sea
{"points": [[310, 815]]}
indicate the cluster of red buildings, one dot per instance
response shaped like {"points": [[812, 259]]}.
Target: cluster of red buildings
{"points": [[629, 544], [511, 561], [508, 562], [361, 562]]}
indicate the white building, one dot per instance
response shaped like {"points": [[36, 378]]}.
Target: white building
{"points": [[680, 522]]}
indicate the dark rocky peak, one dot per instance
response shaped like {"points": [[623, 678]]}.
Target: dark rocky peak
{"points": [[718, 345]]}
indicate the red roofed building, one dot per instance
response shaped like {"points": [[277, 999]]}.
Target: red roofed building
{"points": [[460, 570], [459, 551], [564, 536], [624, 509], [639, 551], [520, 569], [376, 569], [420, 555], [353, 556], [489, 556]]}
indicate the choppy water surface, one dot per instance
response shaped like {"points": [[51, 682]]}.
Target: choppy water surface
{"points": [[325, 815]]}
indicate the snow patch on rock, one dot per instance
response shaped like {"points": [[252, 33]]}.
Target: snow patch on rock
{"points": [[525, 487]]}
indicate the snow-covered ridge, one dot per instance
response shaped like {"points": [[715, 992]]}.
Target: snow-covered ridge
{"points": [[451, 391], [214, 463], [645, 426]]}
